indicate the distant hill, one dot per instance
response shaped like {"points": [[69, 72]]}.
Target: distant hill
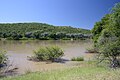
{"points": [[36, 30]]}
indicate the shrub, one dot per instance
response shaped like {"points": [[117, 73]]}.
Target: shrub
{"points": [[3, 57], [77, 59], [49, 53], [92, 50]]}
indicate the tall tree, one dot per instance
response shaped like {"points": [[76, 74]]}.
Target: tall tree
{"points": [[107, 36]]}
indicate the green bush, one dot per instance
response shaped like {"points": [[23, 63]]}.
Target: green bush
{"points": [[3, 57], [49, 53], [92, 50], [77, 59]]}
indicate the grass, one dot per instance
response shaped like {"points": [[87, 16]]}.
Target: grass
{"points": [[86, 72], [77, 59]]}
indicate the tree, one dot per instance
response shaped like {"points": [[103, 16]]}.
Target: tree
{"points": [[99, 26], [106, 36]]}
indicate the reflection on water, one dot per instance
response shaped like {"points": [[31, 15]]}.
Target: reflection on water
{"points": [[19, 50]]}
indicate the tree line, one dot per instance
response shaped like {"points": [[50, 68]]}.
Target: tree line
{"points": [[42, 31]]}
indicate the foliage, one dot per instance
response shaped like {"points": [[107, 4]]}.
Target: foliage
{"points": [[99, 26], [3, 62], [77, 59], [49, 53], [106, 36], [91, 50], [3, 57], [42, 31]]}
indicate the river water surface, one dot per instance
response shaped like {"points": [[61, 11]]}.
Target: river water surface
{"points": [[18, 51]]}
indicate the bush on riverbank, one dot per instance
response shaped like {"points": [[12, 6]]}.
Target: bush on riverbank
{"points": [[77, 59], [91, 50], [3, 62], [52, 53], [3, 58]]}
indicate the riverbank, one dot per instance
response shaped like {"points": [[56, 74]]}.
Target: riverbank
{"points": [[82, 71]]}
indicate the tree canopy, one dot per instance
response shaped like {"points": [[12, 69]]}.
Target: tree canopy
{"points": [[106, 36]]}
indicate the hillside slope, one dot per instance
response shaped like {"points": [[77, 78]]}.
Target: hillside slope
{"points": [[37, 31]]}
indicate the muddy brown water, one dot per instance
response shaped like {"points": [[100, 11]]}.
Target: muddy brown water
{"points": [[18, 51]]}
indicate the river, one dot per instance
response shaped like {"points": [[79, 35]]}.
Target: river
{"points": [[17, 52]]}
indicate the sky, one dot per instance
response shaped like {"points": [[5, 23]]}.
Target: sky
{"points": [[75, 13]]}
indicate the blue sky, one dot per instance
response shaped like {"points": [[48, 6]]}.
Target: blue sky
{"points": [[76, 13]]}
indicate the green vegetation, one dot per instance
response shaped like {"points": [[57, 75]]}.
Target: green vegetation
{"points": [[48, 53], [85, 72], [91, 50], [77, 59], [106, 36], [17, 31], [3, 60], [3, 57]]}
